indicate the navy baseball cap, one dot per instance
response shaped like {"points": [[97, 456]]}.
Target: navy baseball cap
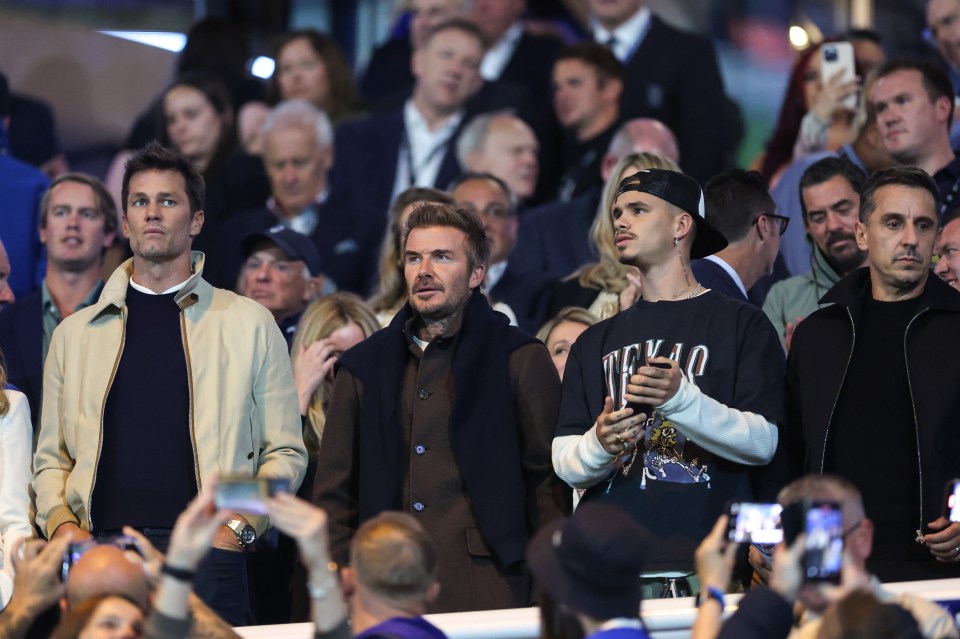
{"points": [[297, 246], [683, 192]]}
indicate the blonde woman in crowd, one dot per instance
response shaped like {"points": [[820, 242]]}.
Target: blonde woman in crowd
{"points": [[560, 332], [328, 327], [607, 287], [16, 452]]}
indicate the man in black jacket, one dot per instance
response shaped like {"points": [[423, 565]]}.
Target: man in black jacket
{"points": [[867, 396]]}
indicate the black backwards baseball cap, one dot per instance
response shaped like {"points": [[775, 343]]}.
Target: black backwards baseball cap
{"points": [[591, 562], [683, 192], [297, 246]]}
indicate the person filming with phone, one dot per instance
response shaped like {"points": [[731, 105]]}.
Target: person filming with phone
{"points": [[668, 405], [788, 575]]}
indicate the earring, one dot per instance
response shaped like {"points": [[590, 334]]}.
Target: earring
{"points": [[676, 241]]}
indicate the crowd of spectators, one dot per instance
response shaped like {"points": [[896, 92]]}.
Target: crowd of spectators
{"points": [[498, 279]]}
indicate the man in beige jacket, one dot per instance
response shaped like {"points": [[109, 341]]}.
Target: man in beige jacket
{"points": [[161, 384]]}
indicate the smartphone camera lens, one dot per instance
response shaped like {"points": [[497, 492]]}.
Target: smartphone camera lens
{"points": [[830, 54]]}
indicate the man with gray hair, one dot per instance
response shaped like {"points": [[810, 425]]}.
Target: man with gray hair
{"points": [[298, 155], [502, 145]]}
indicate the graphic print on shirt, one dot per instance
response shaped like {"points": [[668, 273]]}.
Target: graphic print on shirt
{"points": [[667, 454]]}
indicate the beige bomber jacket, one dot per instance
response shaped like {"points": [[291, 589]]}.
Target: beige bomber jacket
{"points": [[244, 413]]}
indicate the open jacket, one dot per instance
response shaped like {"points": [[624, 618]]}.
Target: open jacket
{"points": [[244, 413], [816, 368]]}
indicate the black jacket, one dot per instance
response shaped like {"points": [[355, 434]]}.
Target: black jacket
{"points": [[673, 76], [820, 353]]}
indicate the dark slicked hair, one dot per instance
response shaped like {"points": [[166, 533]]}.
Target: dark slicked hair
{"points": [[430, 214], [734, 199], [156, 157], [595, 56], [908, 176], [826, 169], [936, 82]]}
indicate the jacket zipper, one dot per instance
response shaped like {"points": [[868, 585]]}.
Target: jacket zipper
{"points": [[916, 422], [103, 407], [826, 434], [193, 433]]}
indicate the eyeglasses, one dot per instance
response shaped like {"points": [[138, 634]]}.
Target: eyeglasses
{"points": [[781, 220], [852, 529]]}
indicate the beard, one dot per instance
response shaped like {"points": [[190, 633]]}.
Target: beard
{"points": [[845, 260]]}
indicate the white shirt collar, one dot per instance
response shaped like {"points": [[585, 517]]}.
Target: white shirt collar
{"points": [[494, 273], [424, 147], [729, 269], [172, 289], [498, 56], [628, 35], [621, 622]]}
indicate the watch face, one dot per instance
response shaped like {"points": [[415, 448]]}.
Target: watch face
{"points": [[248, 535]]}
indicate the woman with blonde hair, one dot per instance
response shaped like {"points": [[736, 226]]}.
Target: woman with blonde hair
{"points": [[560, 332], [16, 453], [607, 287], [328, 327]]}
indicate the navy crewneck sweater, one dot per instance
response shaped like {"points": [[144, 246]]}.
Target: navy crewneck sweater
{"points": [[145, 476]]}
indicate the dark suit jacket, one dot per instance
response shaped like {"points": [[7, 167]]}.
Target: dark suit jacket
{"points": [[388, 71], [531, 64], [554, 239], [347, 246], [21, 342], [521, 292], [673, 76], [365, 164], [711, 275]]}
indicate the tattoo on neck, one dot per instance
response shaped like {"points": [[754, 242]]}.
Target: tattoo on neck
{"points": [[434, 328], [684, 266]]}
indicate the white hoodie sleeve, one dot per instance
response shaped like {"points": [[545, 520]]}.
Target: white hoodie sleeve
{"points": [[740, 436]]}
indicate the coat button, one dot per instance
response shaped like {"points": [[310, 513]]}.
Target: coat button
{"points": [[423, 394], [418, 506], [420, 449]]}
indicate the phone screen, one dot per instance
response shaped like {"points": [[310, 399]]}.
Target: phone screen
{"points": [[953, 500], [756, 523], [247, 494], [823, 556]]}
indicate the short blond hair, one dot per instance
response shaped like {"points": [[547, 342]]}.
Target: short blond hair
{"points": [[394, 557]]}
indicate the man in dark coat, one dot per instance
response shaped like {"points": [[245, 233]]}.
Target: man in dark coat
{"points": [[447, 414]]}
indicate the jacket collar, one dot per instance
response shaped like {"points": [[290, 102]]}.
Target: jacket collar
{"points": [[852, 289], [822, 271], [114, 295]]}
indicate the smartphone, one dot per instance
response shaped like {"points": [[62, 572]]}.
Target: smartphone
{"points": [[247, 494], [75, 550], [953, 500], [838, 56], [756, 523], [646, 409], [823, 552]]}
